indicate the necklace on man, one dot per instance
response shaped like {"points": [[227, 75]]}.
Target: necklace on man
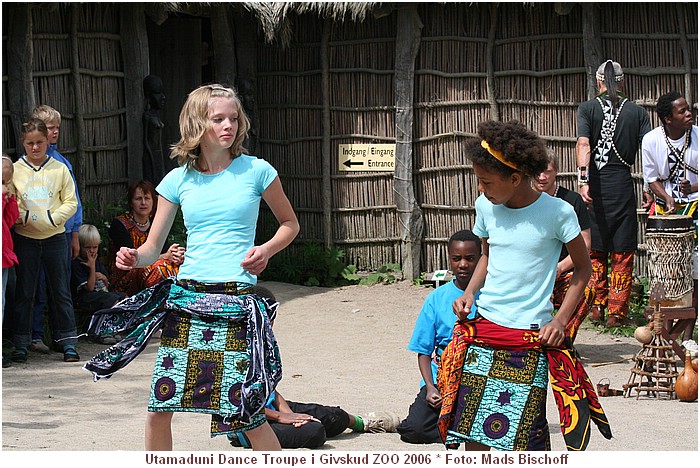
{"points": [[680, 154], [556, 190]]}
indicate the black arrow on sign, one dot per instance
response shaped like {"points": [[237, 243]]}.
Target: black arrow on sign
{"points": [[349, 163]]}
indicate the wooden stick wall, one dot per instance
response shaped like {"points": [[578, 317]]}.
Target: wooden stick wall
{"points": [[539, 78], [475, 61]]}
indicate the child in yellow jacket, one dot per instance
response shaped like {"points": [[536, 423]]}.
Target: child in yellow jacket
{"points": [[46, 201]]}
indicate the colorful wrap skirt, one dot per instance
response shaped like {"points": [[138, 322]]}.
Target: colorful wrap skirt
{"points": [[218, 354], [493, 382]]}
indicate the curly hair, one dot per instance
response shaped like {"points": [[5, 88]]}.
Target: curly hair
{"points": [[465, 235], [664, 106], [194, 123], [518, 145]]}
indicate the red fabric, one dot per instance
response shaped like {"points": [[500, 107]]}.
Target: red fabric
{"points": [[576, 400], [613, 292], [10, 213]]}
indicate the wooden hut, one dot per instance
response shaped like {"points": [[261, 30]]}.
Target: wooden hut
{"points": [[316, 76]]}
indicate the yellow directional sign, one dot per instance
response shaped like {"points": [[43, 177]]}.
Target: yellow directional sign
{"points": [[366, 157]]}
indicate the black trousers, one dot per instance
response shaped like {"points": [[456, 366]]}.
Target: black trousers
{"points": [[334, 421], [420, 426]]}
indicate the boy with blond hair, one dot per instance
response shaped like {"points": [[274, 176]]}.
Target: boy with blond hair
{"points": [[89, 282]]}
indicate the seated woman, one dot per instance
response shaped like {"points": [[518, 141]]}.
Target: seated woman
{"points": [[131, 230]]}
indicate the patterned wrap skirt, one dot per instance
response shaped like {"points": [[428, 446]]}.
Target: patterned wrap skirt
{"points": [[218, 354], [502, 400], [493, 382]]}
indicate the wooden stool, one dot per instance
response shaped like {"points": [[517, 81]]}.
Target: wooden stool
{"points": [[677, 322]]}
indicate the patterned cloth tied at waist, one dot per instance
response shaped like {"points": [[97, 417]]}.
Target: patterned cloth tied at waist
{"points": [[145, 313], [573, 391]]}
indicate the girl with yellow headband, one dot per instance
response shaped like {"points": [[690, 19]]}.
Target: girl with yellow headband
{"points": [[493, 374]]}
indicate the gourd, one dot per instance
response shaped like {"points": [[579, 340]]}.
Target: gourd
{"points": [[687, 381]]}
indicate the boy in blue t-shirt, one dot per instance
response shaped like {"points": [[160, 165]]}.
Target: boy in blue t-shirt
{"points": [[433, 331]]}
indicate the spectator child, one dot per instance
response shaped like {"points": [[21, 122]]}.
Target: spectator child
{"points": [[52, 118], [433, 331], [46, 201], [89, 283], [10, 213]]}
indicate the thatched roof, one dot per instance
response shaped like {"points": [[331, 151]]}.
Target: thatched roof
{"points": [[274, 16]]}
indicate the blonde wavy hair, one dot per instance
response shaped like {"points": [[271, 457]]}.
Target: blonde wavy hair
{"points": [[194, 123], [46, 113]]}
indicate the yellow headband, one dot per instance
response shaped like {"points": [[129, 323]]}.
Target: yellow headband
{"points": [[498, 155]]}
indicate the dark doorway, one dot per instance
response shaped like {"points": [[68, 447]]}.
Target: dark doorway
{"points": [[179, 53]]}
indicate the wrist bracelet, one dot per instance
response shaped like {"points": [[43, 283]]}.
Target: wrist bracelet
{"points": [[582, 176]]}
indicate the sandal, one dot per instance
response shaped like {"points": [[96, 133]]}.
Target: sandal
{"points": [[70, 354]]}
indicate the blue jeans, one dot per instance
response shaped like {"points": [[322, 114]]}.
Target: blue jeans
{"points": [[51, 254], [40, 298]]}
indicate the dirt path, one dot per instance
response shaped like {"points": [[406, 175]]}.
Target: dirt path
{"points": [[343, 346]]}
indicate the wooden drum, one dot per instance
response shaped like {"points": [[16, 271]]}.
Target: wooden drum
{"points": [[670, 239]]}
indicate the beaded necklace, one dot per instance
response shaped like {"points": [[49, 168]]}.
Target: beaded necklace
{"points": [[607, 132], [680, 155], [140, 224]]}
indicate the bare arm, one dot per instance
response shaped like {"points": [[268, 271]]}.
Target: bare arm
{"points": [[432, 397], [284, 414], [148, 253], [257, 257], [658, 189], [552, 334], [567, 263]]}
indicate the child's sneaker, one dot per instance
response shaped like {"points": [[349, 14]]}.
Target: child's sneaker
{"points": [[38, 346], [70, 354], [380, 422]]}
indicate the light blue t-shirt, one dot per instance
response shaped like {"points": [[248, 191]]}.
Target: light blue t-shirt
{"points": [[435, 323], [524, 247], [220, 213]]}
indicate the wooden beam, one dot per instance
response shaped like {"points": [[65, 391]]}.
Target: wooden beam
{"points": [[134, 44], [327, 196], [685, 48], [408, 37], [245, 38], [78, 110], [490, 70], [20, 56], [592, 44], [225, 66]]}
